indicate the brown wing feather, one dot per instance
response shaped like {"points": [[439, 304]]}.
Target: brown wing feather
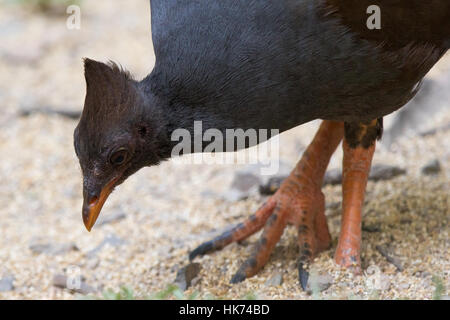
{"points": [[402, 21]]}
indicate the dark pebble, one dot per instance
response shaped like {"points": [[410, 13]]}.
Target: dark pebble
{"points": [[385, 172], [52, 248], [432, 167], [186, 275]]}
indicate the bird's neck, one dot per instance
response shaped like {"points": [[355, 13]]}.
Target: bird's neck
{"points": [[178, 121]]}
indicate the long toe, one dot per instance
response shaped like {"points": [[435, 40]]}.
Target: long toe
{"points": [[272, 232], [240, 232]]}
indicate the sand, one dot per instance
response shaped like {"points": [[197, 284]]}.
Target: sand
{"points": [[163, 212]]}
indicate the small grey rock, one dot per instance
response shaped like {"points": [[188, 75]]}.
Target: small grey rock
{"points": [[385, 172], [433, 131], [378, 172], [241, 186], [319, 283], [333, 205], [234, 195], [371, 227], [40, 248], [432, 167], [333, 177], [60, 281], [7, 284], [26, 112], [275, 280], [244, 181], [267, 184], [53, 249], [187, 274]]}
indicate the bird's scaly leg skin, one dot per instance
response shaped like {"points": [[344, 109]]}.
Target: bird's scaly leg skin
{"points": [[359, 147], [240, 232], [298, 201]]}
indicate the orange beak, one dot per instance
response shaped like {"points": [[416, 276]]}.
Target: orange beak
{"points": [[91, 208]]}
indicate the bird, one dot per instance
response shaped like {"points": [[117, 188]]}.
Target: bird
{"points": [[264, 64]]}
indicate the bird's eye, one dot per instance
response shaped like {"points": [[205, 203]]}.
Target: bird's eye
{"points": [[119, 157]]}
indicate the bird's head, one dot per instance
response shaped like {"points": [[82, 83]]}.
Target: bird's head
{"points": [[119, 132]]}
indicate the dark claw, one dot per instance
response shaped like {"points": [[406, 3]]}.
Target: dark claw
{"points": [[238, 277], [202, 249], [303, 276]]}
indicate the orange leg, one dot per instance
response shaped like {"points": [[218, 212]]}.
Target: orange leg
{"points": [[356, 168], [299, 201]]}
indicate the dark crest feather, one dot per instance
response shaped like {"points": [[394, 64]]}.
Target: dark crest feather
{"points": [[94, 68], [110, 93]]}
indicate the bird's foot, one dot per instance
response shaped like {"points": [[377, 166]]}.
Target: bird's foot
{"points": [[349, 258], [293, 203]]}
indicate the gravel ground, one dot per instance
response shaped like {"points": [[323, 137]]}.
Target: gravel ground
{"points": [[152, 221]]}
